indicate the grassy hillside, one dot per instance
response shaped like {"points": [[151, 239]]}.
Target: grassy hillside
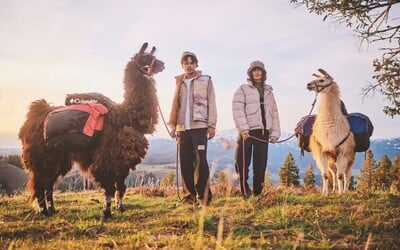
{"points": [[280, 219]]}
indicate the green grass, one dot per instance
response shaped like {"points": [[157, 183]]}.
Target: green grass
{"points": [[280, 219]]}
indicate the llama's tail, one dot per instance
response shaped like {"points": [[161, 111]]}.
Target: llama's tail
{"points": [[33, 145], [38, 110]]}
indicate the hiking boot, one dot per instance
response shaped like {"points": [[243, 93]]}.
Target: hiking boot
{"points": [[190, 199], [246, 196], [201, 205], [258, 197], [205, 203]]}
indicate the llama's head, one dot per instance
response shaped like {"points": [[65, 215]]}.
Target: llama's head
{"points": [[322, 82], [147, 61]]}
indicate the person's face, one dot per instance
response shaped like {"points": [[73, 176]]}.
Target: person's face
{"points": [[257, 74], [189, 66]]}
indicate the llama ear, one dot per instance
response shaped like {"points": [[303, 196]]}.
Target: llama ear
{"points": [[144, 47], [325, 73], [316, 75], [152, 50]]}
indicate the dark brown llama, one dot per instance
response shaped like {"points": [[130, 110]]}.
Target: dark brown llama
{"points": [[121, 144]]}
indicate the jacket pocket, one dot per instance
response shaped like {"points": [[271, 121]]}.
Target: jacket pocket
{"points": [[253, 118]]}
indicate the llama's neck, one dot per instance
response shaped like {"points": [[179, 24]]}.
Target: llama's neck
{"points": [[140, 106], [135, 85], [330, 126], [330, 101]]}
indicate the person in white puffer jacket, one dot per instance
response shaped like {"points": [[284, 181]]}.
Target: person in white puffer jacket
{"points": [[256, 118]]}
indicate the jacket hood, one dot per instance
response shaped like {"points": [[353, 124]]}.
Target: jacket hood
{"points": [[266, 86]]}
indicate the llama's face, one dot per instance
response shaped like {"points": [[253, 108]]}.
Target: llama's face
{"points": [[150, 64], [147, 62], [319, 84]]}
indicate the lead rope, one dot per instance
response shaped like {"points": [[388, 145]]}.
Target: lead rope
{"points": [[177, 172], [299, 127], [177, 151], [265, 141], [303, 122], [243, 166]]}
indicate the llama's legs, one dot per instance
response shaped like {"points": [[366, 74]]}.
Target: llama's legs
{"points": [[50, 179], [106, 181], [37, 191], [341, 175], [107, 207], [325, 184], [50, 201], [322, 163], [108, 193], [333, 175], [347, 177], [119, 195], [346, 184], [41, 199], [340, 183]]}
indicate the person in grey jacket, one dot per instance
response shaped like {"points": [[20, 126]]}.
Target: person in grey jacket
{"points": [[256, 118], [193, 120]]}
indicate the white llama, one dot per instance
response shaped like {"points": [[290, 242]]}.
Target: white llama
{"points": [[331, 143]]}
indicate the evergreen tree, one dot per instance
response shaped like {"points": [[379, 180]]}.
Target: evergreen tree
{"points": [[382, 177], [394, 174], [267, 178], [289, 172], [284, 177], [309, 177], [367, 172]]}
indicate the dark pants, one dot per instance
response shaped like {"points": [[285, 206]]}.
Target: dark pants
{"points": [[194, 166], [259, 151]]}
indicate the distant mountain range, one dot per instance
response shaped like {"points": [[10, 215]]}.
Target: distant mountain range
{"points": [[221, 152]]}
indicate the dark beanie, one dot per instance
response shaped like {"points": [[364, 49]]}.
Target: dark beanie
{"points": [[256, 64]]}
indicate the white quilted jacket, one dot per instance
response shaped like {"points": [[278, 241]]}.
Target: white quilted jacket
{"points": [[247, 111]]}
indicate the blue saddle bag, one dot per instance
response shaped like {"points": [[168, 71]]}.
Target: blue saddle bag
{"points": [[360, 125]]}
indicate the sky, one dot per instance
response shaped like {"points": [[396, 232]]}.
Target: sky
{"points": [[53, 48]]}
